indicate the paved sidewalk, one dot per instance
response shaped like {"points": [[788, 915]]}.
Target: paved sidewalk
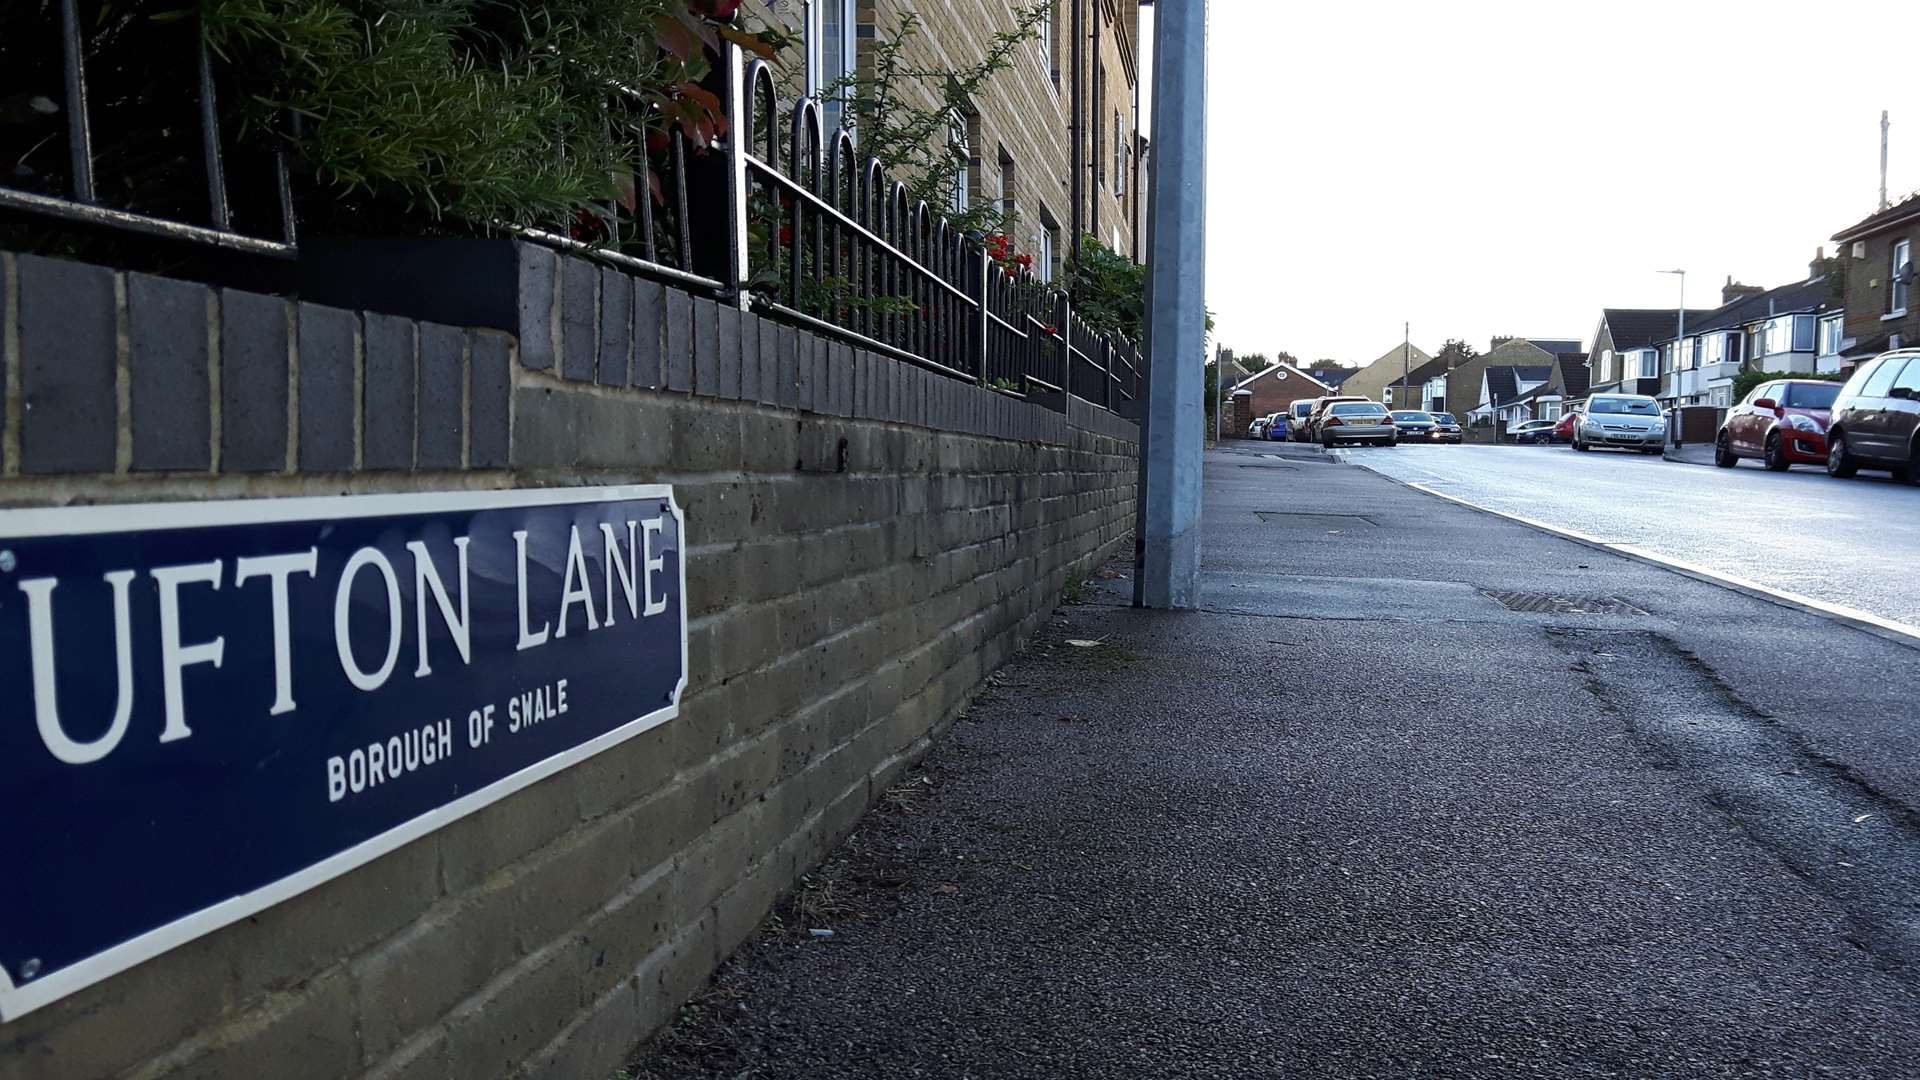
{"points": [[1360, 819]]}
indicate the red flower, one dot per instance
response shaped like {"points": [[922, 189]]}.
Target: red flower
{"points": [[786, 235], [1054, 330], [1025, 261]]}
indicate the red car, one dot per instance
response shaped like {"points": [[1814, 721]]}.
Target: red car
{"points": [[1782, 423], [1563, 431]]}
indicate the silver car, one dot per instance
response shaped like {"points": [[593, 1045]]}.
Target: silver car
{"points": [[1626, 421], [1357, 422]]}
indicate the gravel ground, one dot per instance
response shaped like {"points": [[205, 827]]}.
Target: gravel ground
{"points": [[1306, 833]]}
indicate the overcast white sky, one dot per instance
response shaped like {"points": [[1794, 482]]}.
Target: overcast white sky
{"points": [[1486, 168]]}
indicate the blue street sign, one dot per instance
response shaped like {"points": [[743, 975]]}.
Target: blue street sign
{"points": [[211, 707]]}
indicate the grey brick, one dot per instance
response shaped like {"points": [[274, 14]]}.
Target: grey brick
{"points": [[679, 354], [706, 347], [490, 391], [788, 394], [748, 331], [388, 393], [67, 361], [442, 428], [727, 341], [538, 269], [253, 382], [579, 300], [770, 366], [649, 333], [170, 396], [327, 364], [840, 378], [616, 328]]}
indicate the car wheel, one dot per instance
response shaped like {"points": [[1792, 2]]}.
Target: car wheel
{"points": [[1840, 463], [1776, 458], [1580, 444], [1723, 454]]}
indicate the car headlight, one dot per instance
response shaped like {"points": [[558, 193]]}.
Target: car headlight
{"points": [[1805, 423]]}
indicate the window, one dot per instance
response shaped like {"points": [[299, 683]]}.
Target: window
{"points": [[829, 33], [1050, 43], [1649, 364], [1119, 157], [1900, 278], [1733, 352], [1909, 377], [1757, 341], [1716, 349], [1099, 115], [1045, 245], [1803, 333], [1882, 378], [1832, 327], [1606, 365], [960, 133], [1720, 396], [1008, 205]]}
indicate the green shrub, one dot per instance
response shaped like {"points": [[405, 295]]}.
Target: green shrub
{"points": [[1744, 382]]}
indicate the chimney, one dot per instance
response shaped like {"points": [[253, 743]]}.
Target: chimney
{"points": [[1819, 264], [1499, 341], [1733, 290]]}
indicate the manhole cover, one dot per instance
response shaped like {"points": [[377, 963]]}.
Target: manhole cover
{"points": [[1314, 521], [1554, 604]]}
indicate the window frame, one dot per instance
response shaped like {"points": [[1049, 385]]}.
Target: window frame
{"points": [[1899, 296]]}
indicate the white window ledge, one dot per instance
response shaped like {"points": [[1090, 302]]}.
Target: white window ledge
{"points": [[1892, 315]]}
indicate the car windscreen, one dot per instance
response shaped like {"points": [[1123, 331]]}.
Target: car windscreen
{"points": [[1811, 396], [1415, 417], [1624, 406], [1358, 409]]}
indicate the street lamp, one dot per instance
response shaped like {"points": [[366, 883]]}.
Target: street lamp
{"points": [[1679, 343]]}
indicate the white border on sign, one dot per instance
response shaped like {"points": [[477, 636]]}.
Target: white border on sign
{"points": [[17, 1001]]}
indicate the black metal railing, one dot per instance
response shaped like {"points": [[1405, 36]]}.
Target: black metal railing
{"points": [[113, 120], [780, 216]]}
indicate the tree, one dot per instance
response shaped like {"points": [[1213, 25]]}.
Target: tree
{"points": [[1456, 353]]}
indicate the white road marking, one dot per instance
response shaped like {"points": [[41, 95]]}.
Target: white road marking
{"points": [[1907, 634]]}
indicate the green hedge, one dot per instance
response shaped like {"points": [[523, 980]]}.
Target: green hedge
{"points": [[1744, 382]]}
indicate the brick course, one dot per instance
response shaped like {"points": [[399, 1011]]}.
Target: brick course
{"points": [[851, 580]]}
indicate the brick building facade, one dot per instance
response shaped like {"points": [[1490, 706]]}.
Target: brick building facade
{"points": [[1876, 257], [1057, 137]]}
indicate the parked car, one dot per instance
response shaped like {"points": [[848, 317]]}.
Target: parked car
{"points": [[1297, 413], [1257, 429], [1625, 421], [1780, 423], [1446, 428], [1413, 425], [1357, 422], [1532, 432], [1277, 427], [1563, 428], [1876, 418], [1320, 407]]}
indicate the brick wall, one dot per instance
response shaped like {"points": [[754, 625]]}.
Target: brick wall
{"points": [[867, 542]]}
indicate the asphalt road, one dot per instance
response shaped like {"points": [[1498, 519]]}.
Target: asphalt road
{"points": [[1360, 817], [1855, 543]]}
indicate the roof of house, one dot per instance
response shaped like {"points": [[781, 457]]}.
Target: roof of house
{"points": [[1333, 376], [1898, 214], [1575, 375], [1290, 372], [1503, 383], [1418, 376], [1637, 328], [1556, 346], [1813, 294]]}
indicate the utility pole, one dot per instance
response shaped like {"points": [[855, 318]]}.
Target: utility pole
{"points": [[1883, 159], [1167, 570], [1406, 347]]}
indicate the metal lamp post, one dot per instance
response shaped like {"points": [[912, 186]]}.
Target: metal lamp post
{"points": [[1679, 345]]}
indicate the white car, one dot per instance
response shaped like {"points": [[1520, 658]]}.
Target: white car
{"points": [[1257, 429], [1532, 431]]}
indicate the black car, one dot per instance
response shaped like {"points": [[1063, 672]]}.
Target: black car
{"points": [[1876, 419], [1446, 428], [1413, 425]]}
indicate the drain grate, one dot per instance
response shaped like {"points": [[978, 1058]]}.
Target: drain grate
{"points": [[1554, 604]]}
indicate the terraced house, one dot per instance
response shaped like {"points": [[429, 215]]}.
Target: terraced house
{"points": [[1793, 328], [1876, 263], [1056, 139]]}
